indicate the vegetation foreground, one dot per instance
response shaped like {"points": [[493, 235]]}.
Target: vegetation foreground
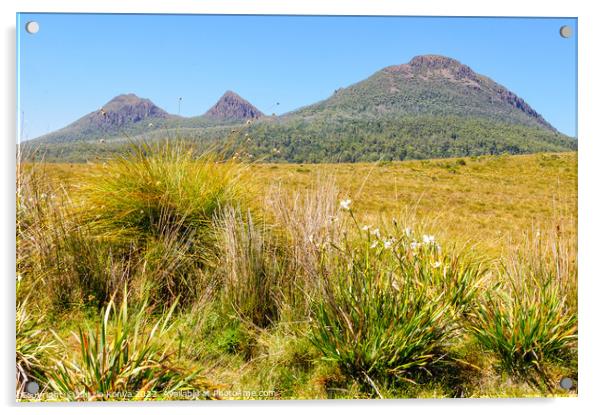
{"points": [[170, 275]]}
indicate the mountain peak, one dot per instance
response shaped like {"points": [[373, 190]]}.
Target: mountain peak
{"points": [[438, 64], [232, 106], [126, 108], [433, 61]]}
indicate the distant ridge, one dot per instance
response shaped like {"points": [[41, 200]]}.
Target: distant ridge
{"points": [[430, 107]]}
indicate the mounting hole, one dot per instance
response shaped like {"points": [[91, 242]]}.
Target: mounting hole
{"points": [[32, 27], [566, 383], [566, 31], [32, 388]]}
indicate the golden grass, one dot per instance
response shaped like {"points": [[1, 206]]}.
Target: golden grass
{"points": [[491, 202]]}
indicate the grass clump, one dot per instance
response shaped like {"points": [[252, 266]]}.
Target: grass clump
{"points": [[151, 214], [389, 306], [163, 185], [250, 268], [124, 357], [34, 345], [63, 264], [529, 319], [162, 188]]}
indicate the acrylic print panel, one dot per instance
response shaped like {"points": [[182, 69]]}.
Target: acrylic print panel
{"points": [[295, 207]]}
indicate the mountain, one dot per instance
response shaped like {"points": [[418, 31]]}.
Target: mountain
{"points": [[430, 85], [232, 107], [430, 107], [121, 114]]}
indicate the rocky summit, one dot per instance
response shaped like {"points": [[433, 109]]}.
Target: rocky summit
{"points": [[232, 106]]}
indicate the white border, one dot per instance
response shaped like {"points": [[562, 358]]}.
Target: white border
{"points": [[590, 173]]}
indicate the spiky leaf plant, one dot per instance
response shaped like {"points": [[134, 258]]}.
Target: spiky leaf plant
{"points": [[124, 357]]}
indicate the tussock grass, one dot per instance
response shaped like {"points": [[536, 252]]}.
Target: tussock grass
{"points": [[251, 268], [528, 319], [163, 187], [310, 224], [161, 200], [56, 254]]}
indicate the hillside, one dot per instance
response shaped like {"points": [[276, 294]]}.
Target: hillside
{"points": [[429, 85], [123, 114], [432, 106]]}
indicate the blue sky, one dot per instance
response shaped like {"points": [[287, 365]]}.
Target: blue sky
{"points": [[76, 63]]}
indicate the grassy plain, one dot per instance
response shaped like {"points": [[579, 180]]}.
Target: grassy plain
{"points": [[254, 280], [490, 203]]}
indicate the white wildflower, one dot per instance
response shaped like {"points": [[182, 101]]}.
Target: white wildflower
{"points": [[415, 245], [365, 228], [374, 244], [428, 239], [437, 264], [408, 231], [388, 243], [345, 204], [376, 232]]}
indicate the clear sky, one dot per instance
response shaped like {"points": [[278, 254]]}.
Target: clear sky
{"points": [[78, 62]]}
